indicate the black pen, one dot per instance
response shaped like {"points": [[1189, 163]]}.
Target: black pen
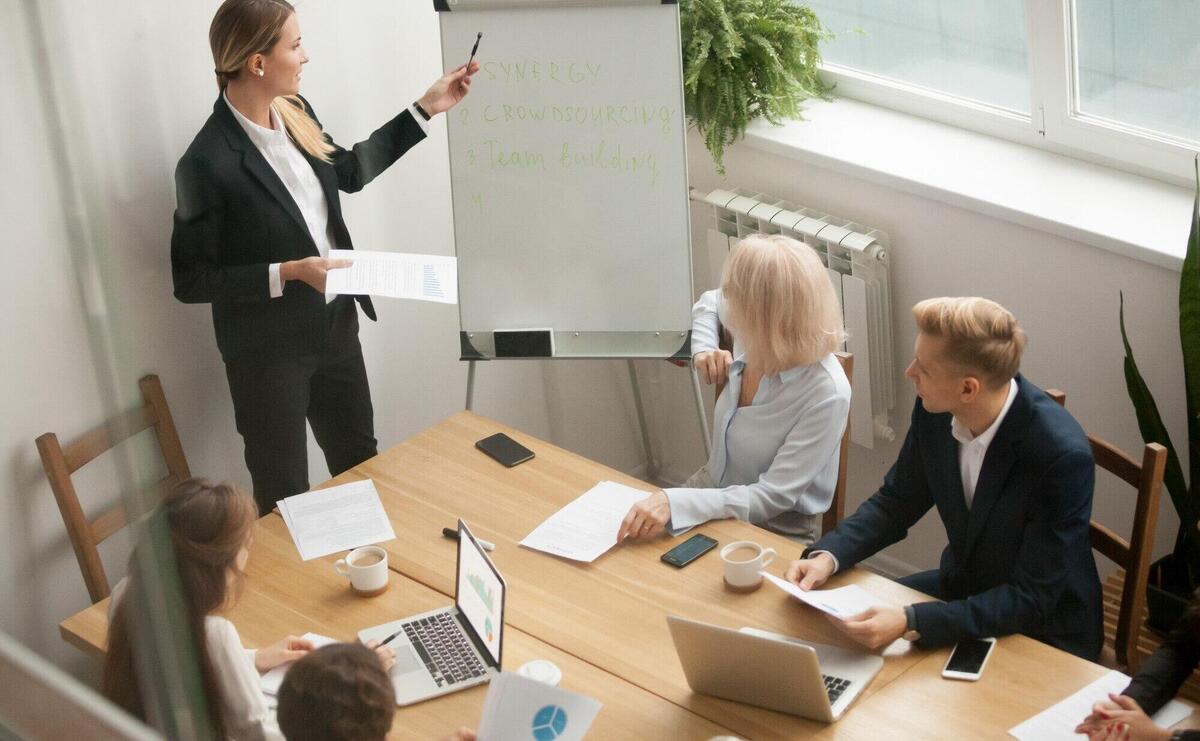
{"points": [[389, 639], [474, 49], [452, 534]]}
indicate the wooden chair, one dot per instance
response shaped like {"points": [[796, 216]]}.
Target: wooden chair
{"points": [[837, 508], [60, 463], [1133, 555]]}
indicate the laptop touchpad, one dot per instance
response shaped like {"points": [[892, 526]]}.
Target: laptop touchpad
{"points": [[406, 660]]}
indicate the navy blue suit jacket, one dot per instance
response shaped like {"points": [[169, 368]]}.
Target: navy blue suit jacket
{"points": [[1019, 561]]}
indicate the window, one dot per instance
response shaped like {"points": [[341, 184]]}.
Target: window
{"points": [[1107, 80]]}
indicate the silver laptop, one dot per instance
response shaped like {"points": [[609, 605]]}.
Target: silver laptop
{"points": [[452, 648], [771, 670]]}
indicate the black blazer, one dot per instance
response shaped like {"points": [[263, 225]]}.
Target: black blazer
{"points": [[1019, 561], [235, 217]]}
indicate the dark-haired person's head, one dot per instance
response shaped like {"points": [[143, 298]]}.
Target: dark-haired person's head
{"points": [[339, 692]]}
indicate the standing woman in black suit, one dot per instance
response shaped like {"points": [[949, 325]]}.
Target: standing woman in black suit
{"points": [[257, 214]]}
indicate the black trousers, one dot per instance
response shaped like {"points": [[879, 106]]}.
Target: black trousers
{"points": [[273, 398]]}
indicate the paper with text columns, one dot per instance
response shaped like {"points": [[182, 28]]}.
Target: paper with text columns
{"points": [[395, 275]]}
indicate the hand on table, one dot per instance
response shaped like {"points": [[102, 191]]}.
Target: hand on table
{"points": [[647, 518], [1120, 717], [311, 270], [810, 573], [713, 365], [462, 734], [449, 89], [386, 655], [289, 648], [874, 627]]}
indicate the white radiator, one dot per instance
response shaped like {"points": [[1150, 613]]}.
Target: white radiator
{"points": [[857, 259]]}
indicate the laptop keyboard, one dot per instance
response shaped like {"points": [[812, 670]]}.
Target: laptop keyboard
{"points": [[447, 653], [835, 686]]}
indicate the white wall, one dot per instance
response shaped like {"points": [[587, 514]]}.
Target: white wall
{"points": [[135, 85]]}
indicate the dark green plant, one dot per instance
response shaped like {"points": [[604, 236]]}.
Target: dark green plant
{"points": [[1186, 499], [743, 59]]}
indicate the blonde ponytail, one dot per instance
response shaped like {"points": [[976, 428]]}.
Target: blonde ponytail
{"points": [[243, 28]]}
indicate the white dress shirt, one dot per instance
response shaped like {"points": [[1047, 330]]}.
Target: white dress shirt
{"points": [[248, 717], [288, 162], [971, 449]]}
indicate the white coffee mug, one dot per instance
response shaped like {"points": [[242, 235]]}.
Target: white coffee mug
{"points": [[743, 560], [367, 569]]}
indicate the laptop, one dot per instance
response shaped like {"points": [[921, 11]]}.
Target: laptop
{"points": [[771, 670], [451, 648]]}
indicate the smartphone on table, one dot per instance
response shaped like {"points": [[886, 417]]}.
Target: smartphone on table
{"points": [[504, 449], [689, 550], [968, 659]]}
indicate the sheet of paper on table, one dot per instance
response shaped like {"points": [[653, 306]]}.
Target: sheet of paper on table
{"points": [[395, 275], [520, 707], [842, 603], [1059, 720], [587, 527], [336, 519]]}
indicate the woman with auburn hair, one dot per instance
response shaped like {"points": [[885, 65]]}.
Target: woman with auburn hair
{"points": [[257, 213], [780, 419], [210, 527]]}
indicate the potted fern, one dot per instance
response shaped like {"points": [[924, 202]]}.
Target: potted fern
{"points": [[1176, 576], [744, 59]]}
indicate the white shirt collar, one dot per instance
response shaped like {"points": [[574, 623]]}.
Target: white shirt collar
{"points": [[261, 137], [962, 433]]}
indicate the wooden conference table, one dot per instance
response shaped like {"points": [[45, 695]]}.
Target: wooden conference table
{"points": [[604, 623]]}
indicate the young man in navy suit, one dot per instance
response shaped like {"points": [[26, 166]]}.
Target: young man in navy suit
{"points": [[1011, 474]]}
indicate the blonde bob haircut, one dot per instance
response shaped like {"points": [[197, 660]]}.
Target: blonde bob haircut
{"points": [[243, 28], [781, 303], [981, 335]]}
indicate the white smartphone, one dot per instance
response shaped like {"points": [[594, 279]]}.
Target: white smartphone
{"points": [[968, 659]]}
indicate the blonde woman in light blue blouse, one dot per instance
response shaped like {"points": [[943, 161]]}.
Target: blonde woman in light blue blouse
{"points": [[780, 418]]}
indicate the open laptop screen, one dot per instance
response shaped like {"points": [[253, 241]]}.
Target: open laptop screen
{"points": [[479, 593]]}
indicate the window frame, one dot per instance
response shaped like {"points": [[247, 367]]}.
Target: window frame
{"points": [[1055, 122]]}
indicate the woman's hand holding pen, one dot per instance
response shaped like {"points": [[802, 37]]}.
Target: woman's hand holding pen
{"points": [[448, 90], [311, 270]]}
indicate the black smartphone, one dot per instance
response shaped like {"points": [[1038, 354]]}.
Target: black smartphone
{"points": [[504, 449], [689, 550]]}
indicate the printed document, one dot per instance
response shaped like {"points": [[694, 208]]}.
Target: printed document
{"points": [[587, 527], [520, 707], [843, 603], [336, 519], [395, 275], [1059, 720]]}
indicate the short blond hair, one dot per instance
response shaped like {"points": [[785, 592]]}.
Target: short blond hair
{"points": [[781, 303], [981, 335]]}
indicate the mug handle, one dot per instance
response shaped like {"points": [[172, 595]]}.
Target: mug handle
{"points": [[768, 555], [341, 567]]}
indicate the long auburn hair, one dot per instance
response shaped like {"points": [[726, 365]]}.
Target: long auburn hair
{"points": [[208, 525], [243, 28]]}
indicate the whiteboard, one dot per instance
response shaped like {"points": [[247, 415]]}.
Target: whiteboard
{"points": [[569, 176]]}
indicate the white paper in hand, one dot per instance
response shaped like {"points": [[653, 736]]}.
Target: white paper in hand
{"points": [[271, 681], [843, 603], [587, 527], [395, 275], [1059, 720], [519, 707]]}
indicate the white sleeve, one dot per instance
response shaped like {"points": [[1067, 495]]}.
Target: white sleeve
{"points": [[247, 716], [790, 478], [274, 282], [706, 322], [419, 119]]}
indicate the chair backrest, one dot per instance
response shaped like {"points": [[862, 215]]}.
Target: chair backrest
{"points": [[1133, 555], [60, 463]]}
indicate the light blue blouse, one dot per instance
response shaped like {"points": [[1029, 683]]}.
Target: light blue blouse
{"points": [[776, 457]]}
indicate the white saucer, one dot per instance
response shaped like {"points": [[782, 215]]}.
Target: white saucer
{"points": [[541, 670]]}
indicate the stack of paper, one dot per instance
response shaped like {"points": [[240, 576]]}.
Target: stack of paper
{"points": [[1059, 720], [843, 603], [520, 707], [395, 275], [587, 527], [336, 519], [272, 680]]}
